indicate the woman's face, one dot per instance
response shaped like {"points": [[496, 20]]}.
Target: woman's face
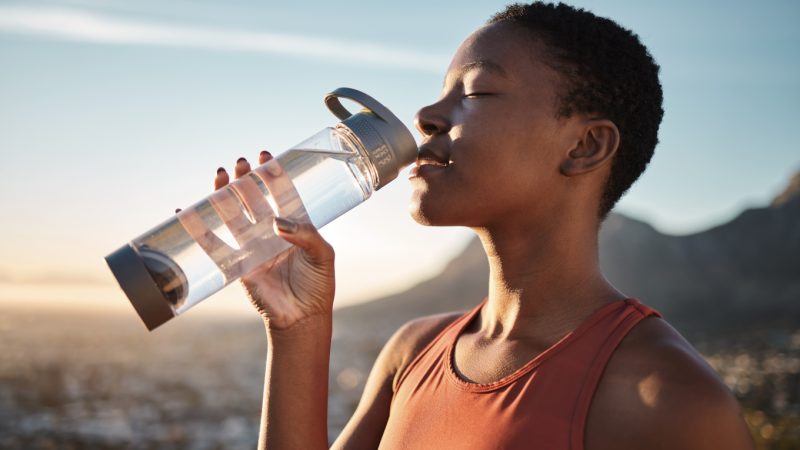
{"points": [[492, 143]]}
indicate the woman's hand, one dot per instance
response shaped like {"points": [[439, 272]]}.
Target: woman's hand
{"points": [[300, 283]]}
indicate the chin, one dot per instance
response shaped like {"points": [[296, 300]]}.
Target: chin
{"points": [[429, 215], [418, 214]]}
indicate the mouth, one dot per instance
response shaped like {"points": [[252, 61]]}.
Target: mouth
{"points": [[429, 162]]}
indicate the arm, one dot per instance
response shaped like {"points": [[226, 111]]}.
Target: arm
{"points": [[294, 296], [295, 407], [365, 428], [694, 410], [697, 411], [657, 392], [296, 299]]}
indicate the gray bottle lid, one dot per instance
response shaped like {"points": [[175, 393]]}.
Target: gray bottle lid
{"points": [[137, 283], [388, 142]]}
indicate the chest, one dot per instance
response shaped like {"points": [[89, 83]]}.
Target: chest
{"points": [[501, 397], [462, 393], [480, 362]]}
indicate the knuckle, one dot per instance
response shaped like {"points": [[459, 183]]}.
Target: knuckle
{"points": [[327, 250]]}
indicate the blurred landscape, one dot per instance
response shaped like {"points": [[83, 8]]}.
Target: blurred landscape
{"points": [[72, 379]]}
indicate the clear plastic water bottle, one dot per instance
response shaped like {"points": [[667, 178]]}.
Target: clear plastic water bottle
{"points": [[229, 234]]}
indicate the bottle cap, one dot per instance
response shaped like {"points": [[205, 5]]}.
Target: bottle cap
{"points": [[138, 284], [388, 142]]}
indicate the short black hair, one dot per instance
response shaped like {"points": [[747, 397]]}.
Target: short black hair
{"points": [[607, 71]]}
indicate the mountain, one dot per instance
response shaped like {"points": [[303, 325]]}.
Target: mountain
{"points": [[739, 275]]}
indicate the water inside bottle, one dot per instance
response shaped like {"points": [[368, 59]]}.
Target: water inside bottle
{"points": [[329, 183], [178, 266]]}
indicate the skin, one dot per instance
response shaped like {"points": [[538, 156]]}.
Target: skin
{"points": [[528, 183]]}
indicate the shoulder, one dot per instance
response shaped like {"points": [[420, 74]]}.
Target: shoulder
{"points": [[365, 428], [411, 338], [658, 392]]}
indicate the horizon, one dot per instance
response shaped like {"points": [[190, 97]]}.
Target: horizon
{"points": [[91, 295], [164, 93]]}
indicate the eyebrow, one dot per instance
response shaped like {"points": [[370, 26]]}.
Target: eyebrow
{"points": [[485, 64]]}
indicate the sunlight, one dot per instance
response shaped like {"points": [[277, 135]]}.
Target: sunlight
{"points": [[649, 389]]}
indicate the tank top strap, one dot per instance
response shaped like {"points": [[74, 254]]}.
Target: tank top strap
{"points": [[633, 313], [453, 327]]}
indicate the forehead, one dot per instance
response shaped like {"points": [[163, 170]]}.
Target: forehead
{"points": [[503, 50]]}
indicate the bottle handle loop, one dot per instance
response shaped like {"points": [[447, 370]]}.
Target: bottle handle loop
{"points": [[335, 106]]}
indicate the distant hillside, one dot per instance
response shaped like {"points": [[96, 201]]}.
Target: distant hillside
{"points": [[744, 273], [741, 274]]}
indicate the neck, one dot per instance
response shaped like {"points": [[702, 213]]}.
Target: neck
{"points": [[542, 284]]}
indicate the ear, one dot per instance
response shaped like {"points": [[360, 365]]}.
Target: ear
{"points": [[596, 147]]}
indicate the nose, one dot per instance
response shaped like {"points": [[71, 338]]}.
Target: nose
{"points": [[430, 120]]}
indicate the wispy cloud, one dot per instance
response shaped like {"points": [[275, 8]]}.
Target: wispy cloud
{"points": [[83, 26]]}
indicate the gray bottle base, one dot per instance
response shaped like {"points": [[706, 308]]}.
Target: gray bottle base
{"points": [[135, 280]]}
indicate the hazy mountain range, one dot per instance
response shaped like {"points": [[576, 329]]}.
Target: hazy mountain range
{"points": [[735, 276]]}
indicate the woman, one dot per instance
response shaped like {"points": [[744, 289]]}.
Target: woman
{"points": [[547, 115]]}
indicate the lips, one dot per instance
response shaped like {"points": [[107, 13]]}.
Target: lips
{"points": [[429, 161], [425, 167]]}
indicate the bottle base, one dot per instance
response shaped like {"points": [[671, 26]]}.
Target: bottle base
{"points": [[139, 286]]}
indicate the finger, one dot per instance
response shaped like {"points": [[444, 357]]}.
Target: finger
{"points": [[242, 167], [221, 179], [264, 156], [306, 237]]}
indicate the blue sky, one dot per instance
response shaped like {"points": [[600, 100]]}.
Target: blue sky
{"points": [[113, 113]]}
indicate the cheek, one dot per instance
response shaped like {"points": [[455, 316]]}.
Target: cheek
{"points": [[532, 147], [510, 130]]}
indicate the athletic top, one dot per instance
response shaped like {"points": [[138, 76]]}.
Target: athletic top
{"points": [[542, 405]]}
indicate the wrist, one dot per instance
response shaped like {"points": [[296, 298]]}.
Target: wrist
{"points": [[310, 329]]}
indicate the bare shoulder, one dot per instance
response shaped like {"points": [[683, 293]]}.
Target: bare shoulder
{"points": [[410, 339], [658, 392], [365, 428]]}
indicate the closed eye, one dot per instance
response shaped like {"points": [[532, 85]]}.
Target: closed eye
{"points": [[476, 94]]}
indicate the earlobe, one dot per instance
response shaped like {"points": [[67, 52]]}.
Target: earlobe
{"points": [[597, 146]]}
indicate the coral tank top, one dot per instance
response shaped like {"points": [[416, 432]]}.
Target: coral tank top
{"points": [[542, 405]]}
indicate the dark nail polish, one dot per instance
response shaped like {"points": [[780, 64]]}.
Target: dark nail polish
{"points": [[285, 225], [242, 159], [177, 210], [220, 170], [265, 153]]}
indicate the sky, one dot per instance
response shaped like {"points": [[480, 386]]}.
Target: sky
{"points": [[114, 113]]}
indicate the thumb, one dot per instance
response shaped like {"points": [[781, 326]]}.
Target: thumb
{"points": [[306, 237]]}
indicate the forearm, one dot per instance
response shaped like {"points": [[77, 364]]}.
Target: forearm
{"points": [[295, 409]]}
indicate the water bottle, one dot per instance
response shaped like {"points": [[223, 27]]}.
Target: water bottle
{"points": [[229, 234]]}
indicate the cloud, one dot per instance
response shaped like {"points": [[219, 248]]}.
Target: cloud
{"points": [[82, 26]]}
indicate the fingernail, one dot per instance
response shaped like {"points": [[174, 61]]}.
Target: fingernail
{"points": [[242, 159], [220, 170], [286, 226], [177, 210], [265, 153]]}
